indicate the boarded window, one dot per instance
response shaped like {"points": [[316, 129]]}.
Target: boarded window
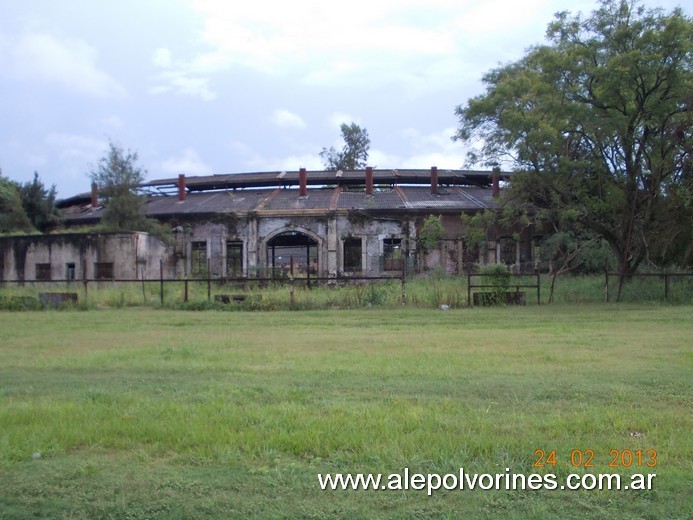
{"points": [[352, 254], [234, 259], [43, 272], [103, 270], [393, 256], [198, 258]]}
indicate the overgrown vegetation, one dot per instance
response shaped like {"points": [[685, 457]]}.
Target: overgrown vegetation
{"points": [[597, 124], [430, 292]]}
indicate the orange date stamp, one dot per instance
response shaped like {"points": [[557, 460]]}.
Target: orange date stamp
{"points": [[586, 459]]}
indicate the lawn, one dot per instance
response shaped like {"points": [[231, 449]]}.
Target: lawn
{"points": [[150, 413]]}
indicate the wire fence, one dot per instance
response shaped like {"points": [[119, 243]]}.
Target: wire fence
{"points": [[307, 291]]}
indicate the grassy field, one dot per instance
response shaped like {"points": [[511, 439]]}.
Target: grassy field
{"points": [[146, 413]]}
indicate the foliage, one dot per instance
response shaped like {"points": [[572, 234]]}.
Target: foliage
{"points": [[431, 232], [598, 123], [39, 204], [118, 178], [354, 153], [498, 277], [476, 227], [12, 215]]}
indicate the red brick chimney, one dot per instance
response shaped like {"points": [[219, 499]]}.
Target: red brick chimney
{"points": [[181, 187], [302, 181], [369, 180], [434, 180], [94, 195]]}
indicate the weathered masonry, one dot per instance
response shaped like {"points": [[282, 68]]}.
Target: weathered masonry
{"points": [[324, 223], [76, 256]]}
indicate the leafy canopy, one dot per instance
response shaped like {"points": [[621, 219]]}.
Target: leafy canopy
{"points": [[598, 124], [118, 177], [354, 153], [12, 215], [39, 204]]}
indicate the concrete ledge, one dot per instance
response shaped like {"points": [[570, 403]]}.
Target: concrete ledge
{"points": [[57, 299]]}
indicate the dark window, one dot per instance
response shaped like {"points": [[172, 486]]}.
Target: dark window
{"points": [[70, 271], [393, 256], [43, 271], [292, 253], [234, 259], [470, 256], [352, 254], [103, 270], [507, 250], [525, 251], [198, 258]]}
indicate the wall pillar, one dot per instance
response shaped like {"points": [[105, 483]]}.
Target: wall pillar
{"points": [[253, 262], [332, 246]]}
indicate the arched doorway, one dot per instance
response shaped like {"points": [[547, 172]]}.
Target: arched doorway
{"points": [[292, 254]]}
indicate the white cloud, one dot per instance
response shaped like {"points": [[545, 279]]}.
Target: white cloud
{"points": [[180, 77], [73, 147], [162, 58], [188, 162], [71, 63], [286, 119], [428, 43], [337, 118]]}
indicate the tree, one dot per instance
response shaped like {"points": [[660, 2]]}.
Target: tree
{"points": [[39, 204], [354, 153], [12, 215], [598, 123], [118, 178]]}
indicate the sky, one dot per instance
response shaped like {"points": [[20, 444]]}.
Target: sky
{"points": [[215, 87]]}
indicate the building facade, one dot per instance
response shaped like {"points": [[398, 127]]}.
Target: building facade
{"points": [[322, 224]]}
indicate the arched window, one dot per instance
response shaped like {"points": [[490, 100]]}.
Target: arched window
{"points": [[292, 250]]}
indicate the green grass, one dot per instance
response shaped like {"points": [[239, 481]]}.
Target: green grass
{"points": [[145, 413], [427, 292]]}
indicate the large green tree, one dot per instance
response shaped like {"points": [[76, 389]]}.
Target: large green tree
{"points": [[354, 153], [12, 215], [598, 124], [39, 204], [118, 176]]}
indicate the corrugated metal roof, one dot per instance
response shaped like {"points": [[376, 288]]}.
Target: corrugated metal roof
{"points": [[400, 198]]}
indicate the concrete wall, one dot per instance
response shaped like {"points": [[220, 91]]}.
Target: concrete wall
{"points": [[62, 257], [137, 255]]}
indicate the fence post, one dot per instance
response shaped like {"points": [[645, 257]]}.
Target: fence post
{"points": [[161, 281], [292, 301], [469, 287], [606, 281], [209, 280], [185, 294], [538, 287], [666, 286], [404, 281], [85, 280]]}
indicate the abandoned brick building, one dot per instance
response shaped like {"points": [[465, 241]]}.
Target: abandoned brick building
{"points": [[318, 223]]}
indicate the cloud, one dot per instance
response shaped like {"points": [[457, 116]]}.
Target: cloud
{"points": [[188, 162], [431, 44], [74, 147], [180, 77], [337, 118], [69, 62], [286, 119]]}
